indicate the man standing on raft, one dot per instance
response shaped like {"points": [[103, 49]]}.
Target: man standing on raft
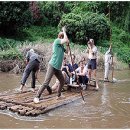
{"points": [[54, 66]]}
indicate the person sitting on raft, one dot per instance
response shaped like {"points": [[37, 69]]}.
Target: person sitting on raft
{"points": [[82, 74]]}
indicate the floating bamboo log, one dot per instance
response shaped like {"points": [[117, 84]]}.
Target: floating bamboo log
{"points": [[22, 103]]}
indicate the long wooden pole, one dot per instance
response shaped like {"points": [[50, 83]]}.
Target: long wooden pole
{"points": [[111, 40], [75, 74]]}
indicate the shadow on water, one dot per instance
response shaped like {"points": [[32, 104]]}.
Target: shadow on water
{"points": [[107, 108]]}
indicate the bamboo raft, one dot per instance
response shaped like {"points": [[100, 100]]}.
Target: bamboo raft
{"points": [[22, 103]]}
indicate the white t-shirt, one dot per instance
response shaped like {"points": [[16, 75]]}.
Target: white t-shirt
{"points": [[93, 54], [85, 70], [108, 57]]}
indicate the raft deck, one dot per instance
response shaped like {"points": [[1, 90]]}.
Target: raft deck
{"points": [[22, 103]]}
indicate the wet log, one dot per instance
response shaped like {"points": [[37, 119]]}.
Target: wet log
{"points": [[3, 105], [22, 103], [34, 112], [15, 108], [24, 110]]}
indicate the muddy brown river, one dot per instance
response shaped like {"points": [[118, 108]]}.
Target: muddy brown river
{"points": [[107, 108]]}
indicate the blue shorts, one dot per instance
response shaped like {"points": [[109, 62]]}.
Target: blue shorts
{"points": [[92, 64]]}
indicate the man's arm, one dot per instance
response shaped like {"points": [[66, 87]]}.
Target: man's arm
{"points": [[108, 51], [70, 75], [27, 57], [65, 39]]}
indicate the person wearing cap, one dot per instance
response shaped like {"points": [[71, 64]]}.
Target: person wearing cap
{"points": [[108, 62], [92, 61], [32, 61], [54, 66]]}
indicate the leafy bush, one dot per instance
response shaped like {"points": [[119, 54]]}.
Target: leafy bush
{"points": [[14, 15], [52, 11], [124, 37], [10, 54], [124, 54], [37, 33], [74, 25], [6, 44], [90, 25], [96, 26]]}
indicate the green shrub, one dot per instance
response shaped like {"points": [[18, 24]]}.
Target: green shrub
{"points": [[96, 26], [10, 54], [74, 25], [13, 15], [123, 54], [6, 44], [90, 25], [124, 37], [52, 11], [36, 33]]}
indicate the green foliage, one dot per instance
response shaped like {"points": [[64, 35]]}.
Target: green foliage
{"points": [[52, 11], [74, 25], [13, 15], [89, 25], [127, 21], [119, 36], [82, 18], [123, 53], [91, 6], [124, 37], [119, 11], [97, 26], [120, 14], [36, 33], [10, 54], [6, 44]]}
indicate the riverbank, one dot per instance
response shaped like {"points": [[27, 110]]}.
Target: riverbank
{"points": [[17, 63]]}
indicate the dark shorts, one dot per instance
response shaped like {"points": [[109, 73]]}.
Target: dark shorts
{"points": [[92, 64]]}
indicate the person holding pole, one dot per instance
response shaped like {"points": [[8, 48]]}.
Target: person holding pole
{"points": [[92, 62], [108, 62], [54, 66], [32, 61]]}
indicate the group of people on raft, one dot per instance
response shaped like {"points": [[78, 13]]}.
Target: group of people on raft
{"points": [[66, 73]]}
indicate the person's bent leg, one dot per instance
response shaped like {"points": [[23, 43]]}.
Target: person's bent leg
{"points": [[49, 74], [106, 71], [89, 74], [26, 74], [60, 77], [89, 70], [80, 78], [33, 79], [96, 80], [56, 85]]}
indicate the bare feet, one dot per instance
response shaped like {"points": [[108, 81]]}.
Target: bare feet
{"points": [[60, 97], [97, 87]]}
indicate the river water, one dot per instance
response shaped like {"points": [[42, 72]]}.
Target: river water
{"points": [[107, 108]]}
